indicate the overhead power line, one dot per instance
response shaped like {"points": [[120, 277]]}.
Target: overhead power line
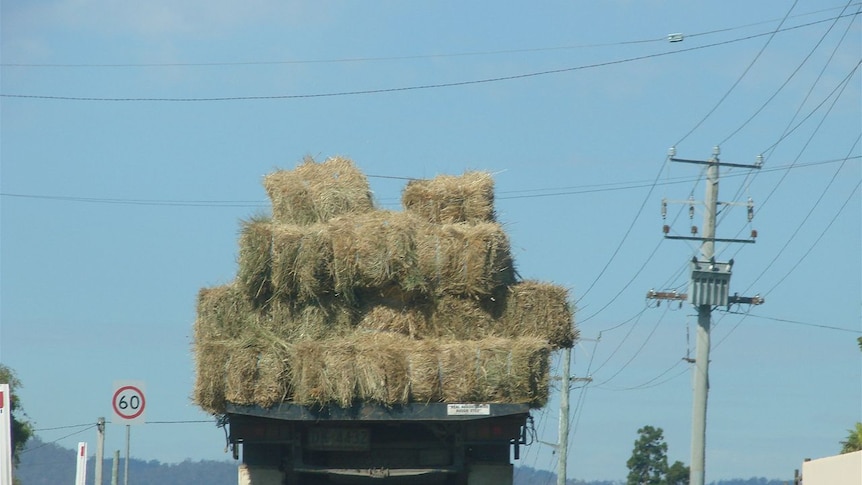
{"points": [[405, 88], [394, 58], [501, 195]]}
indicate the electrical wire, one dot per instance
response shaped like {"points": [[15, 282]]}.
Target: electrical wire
{"points": [[822, 194], [62, 427], [741, 76], [501, 195], [403, 88], [789, 78], [58, 439], [391, 58]]}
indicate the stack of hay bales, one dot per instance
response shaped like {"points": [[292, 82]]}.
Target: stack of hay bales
{"points": [[338, 302]]}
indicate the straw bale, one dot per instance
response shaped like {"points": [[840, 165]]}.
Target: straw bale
{"points": [[539, 309], [495, 370], [301, 261], [461, 319], [423, 371], [381, 368], [254, 273], [528, 379], [222, 312], [323, 371], [459, 371], [273, 380], [374, 250], [306, 360], [316, 192], [406, 320], [466, 259], [327, 318], [450, 199], [242, 373], [210, 368]]}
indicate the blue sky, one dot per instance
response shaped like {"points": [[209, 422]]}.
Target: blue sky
{"points": [[117, 208]]}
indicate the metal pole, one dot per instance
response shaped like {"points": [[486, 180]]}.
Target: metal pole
{"points": [[563, 440], [701, 367], [115, 469], [100, 450], [126, 471]]}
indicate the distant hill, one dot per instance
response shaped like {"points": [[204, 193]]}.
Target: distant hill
{"points": [[49, 464], [529, 476]]}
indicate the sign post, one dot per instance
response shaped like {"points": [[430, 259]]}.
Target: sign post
{"points": [[5, 435], [81, 470], [129, 404]]}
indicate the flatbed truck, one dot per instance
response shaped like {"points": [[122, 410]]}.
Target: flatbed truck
{"points": [[434, 443]]}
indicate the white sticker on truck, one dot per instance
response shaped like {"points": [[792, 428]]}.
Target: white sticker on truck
{"points": [[468, 409]]}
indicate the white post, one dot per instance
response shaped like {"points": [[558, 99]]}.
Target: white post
{"points": [[563, 440], [5, 435], [128, 438], [81, 469], [100, 449]]}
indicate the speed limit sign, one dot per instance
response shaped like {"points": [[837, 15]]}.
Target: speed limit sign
{"points": [[129, 402]]}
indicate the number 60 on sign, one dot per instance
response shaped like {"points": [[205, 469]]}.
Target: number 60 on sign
{"points": [[129, 402]]}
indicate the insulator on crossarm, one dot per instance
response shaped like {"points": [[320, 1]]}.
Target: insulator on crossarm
{"points": [[694, 230], [665, 229], [754, 234]]}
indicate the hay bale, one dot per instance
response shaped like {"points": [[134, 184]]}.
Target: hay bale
{"points": [[411, 321], [323, 372], [536, 309], [423, 371], [374, 250], [316, 192], [241, 372], [459, 371], [222, 312], [301, 261], [306, 361], [496, 370], [461, 319], [381, 368], [210, 370], [529, 379], [254, 273], [293, 322], [448, 199], [466, 259], [273, 377]]}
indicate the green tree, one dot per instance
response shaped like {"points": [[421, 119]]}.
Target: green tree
{"points": [[648, 463], [678, 474], [22, 430], [854, 440]]}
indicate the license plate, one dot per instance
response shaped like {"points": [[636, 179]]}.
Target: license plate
{"points": [[339, 439]]}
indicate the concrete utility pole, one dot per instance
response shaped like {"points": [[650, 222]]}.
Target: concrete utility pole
{"points": [[563, 439], [708, 288], [115, 468], [564, 418], [100, 449]]}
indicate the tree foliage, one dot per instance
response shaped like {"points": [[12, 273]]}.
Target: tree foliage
{"points": [[853, 441], [22, 430], [648, 463]]}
